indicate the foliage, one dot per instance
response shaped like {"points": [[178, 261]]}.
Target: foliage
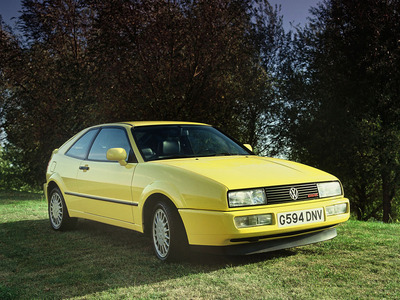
{"points": [[47, 83], [12, 172], [81, 63], [344, 116]]}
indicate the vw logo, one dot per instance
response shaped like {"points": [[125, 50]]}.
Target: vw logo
{"points": [[294, 193]]}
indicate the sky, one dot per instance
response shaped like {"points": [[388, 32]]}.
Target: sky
{"points": [[9, 9], [295, 11]]}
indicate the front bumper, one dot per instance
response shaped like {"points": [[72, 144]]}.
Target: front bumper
{"points": [[216, 228]]}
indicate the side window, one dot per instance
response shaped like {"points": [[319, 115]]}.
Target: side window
{"points": [[109, 138], [81, 146]]}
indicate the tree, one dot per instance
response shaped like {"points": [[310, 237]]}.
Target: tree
{"points": [[8, 51], [189, 60], [84, 62], [348, 118], [47, 79]]}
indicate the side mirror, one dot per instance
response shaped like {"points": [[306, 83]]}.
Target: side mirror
{"points": [[248, 147], [117, 154]]}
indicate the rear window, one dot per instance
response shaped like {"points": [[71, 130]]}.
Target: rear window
{"points": [[81, 147]]}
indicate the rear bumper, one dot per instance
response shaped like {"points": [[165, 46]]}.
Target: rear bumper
{"points": [[271, 245]]}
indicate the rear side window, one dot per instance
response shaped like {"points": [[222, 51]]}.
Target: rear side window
{"points": [[109, 138], [81, 146]]}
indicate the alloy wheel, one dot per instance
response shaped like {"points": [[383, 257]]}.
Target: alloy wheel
{"points": [[56, 210], [161, 233]]}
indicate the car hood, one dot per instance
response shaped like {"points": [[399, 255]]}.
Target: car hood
{"points": [[239, 172]]}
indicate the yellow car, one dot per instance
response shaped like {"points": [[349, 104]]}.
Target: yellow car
{"points": [[188, 184]]}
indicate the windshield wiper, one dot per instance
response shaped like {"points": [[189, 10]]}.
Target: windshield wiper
{"points": [[174, 157], [217, 154]]}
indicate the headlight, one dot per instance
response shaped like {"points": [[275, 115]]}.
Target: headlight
{"points": [[329, 189], [247, 198]]}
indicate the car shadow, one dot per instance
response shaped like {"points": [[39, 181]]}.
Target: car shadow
{"points": [[38, 262], [194, 258]]}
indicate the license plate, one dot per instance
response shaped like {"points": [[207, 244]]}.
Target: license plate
{"points": [[301, 217]]}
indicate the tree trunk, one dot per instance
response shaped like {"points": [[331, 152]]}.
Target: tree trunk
{"points": [[387, 197], [360, 203]]}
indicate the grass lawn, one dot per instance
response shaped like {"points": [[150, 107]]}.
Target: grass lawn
{"points": [[100, 261]]}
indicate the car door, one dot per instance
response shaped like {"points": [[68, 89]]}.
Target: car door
{"points": [[103, 185], [69, 168]]}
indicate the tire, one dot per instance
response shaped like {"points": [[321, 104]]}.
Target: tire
{"points": [[58, 213], [168, 233]]}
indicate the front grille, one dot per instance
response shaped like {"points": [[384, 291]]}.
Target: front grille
{"points": [[281, 194]]}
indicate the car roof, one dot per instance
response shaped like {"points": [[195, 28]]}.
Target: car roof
{"points": [[151, 123], [133, 124]]}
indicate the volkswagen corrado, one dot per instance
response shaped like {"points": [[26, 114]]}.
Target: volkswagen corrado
{"points": [[188, 185]]}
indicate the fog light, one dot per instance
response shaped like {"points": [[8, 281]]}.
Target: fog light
{"points": [[254, 220], [336, 209]]}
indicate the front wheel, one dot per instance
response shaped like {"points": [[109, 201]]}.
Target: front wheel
{"points": [[58, 213], [168, 233]]}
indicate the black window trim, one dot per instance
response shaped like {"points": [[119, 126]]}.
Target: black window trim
{"points": [[98, 129]]}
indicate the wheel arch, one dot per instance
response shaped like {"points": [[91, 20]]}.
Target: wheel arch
{"points": [[50, 186], [67, 222], [54, 184], [148, 207]]}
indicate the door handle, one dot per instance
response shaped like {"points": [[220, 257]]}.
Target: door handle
{"points": [[84, 168]]}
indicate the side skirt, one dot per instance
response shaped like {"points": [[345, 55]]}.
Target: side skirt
{"points": [[118, 223]]}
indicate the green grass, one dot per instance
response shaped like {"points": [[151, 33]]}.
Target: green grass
{"points": [[100, 261]]}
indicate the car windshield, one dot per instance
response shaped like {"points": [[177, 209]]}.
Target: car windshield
{"points": [[181, 141]]}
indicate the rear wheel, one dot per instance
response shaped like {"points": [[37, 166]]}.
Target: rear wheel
{"points": [[58, 213], [168, 233]]}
